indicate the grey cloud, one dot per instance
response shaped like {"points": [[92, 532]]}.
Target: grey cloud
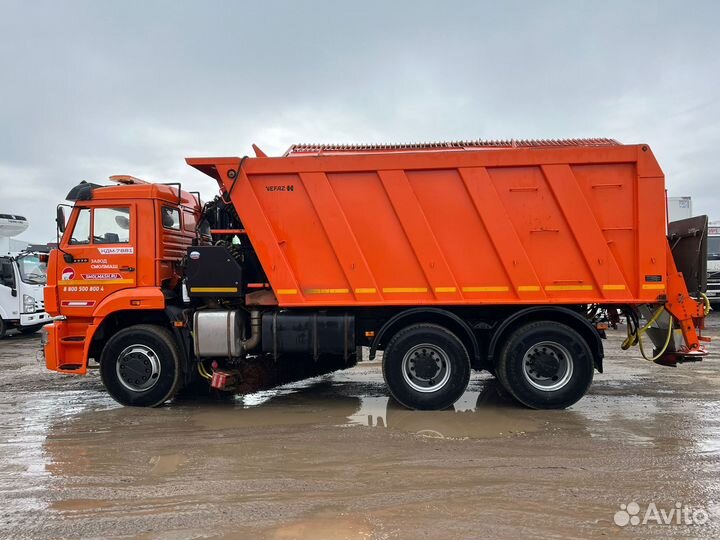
{"points": [[90, 89]]}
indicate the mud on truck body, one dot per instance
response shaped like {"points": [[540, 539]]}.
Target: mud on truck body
{"points": [[513, 257]]}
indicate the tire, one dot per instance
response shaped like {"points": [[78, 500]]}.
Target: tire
{"points": [[29, 329], [3, 328], [419, 354], [147, 352], [546, 365]]}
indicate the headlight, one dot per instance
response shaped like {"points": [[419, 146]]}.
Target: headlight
{"points": [[28, 304]]}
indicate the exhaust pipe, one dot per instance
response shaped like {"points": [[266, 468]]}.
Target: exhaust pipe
{"points": [[255, 328]]}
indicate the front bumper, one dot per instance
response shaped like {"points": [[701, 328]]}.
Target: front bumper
{"points": [[31, 319]]}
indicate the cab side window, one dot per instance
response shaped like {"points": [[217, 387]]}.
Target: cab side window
{"points": [[7, 276], [170, 218], [189, 221], [111, 225], [81, 231]]}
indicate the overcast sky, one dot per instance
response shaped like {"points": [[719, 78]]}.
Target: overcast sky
{"points": [[92, 89]]}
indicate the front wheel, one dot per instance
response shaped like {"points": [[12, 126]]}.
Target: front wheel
{"points": [[140, 366], [546, 365], [426, 367]]}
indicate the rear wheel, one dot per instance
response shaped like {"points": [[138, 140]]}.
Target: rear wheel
{"points": [[546, 365], [426, 367], [140, 366]]}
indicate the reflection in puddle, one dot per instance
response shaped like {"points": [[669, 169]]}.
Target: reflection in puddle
{"points": [[469, 418], [482, 412]]}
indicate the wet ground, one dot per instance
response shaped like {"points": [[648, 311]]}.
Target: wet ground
{"points": [[335, 458]]}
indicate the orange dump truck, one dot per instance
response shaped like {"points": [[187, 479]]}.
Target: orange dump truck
{"points": [[513, 257]]}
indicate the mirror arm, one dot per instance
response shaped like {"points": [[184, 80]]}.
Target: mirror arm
{"points": [[66, 256]]}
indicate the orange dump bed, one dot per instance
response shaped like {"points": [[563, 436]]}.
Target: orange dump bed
{"points": [[460, 223]]}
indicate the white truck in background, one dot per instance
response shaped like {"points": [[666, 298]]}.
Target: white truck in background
{"points": [[679, 208], [22, 279], [713, 262]]}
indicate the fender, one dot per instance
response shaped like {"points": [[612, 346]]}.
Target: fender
{"points": [[137, 298], [558, 313], [434, 314], [140, 298]]}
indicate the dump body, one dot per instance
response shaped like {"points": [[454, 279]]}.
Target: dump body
{"points": [[574, 224]]}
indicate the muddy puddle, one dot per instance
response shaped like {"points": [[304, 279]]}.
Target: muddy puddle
{"points": [[483, 411], [335, 457]]}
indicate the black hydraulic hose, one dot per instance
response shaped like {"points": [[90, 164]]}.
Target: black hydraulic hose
{"points": [[235, 179]]}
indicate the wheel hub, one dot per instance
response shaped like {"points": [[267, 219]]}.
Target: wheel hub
{"points": [[425, 364], [426, 367], [547, 366], [138, 368]]}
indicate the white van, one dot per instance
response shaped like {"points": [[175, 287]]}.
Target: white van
{"points": [[22, 279]]}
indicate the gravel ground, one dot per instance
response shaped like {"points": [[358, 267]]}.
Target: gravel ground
{"points": [[335, 458]]}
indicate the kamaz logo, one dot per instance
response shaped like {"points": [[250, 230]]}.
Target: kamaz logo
{"points": [[289, 187]]}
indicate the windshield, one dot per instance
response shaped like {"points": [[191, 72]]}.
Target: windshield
{"points": [[32, 269], [713, 248]]}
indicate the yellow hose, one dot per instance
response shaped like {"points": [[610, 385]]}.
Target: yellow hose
{"points": [[636, 337], [706, 304], [203, 372], [664, 347]]}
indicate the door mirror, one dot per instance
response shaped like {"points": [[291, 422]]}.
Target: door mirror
{"points": [[60, 219]]}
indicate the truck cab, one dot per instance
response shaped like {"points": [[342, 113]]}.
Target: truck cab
{"points": [[119, 254], [22, 278]]}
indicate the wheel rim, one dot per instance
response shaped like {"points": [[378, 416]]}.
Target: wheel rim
{"points": [[547, 366], [138, 368], [426, 368]]}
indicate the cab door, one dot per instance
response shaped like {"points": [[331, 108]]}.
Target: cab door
{"points": [[102, 244], [9, 301]]}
